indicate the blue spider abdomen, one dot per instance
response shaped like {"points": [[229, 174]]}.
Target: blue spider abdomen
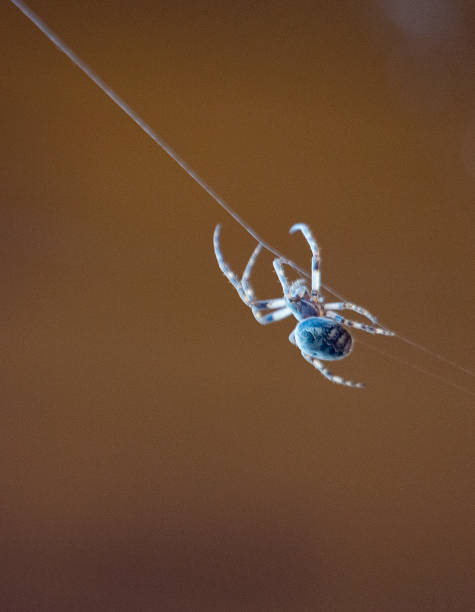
{"points": [[322, 338]]}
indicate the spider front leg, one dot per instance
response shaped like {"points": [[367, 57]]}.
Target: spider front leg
{"points": [[225, 269], [279, 305], [246, 275], [306, 231], [271, 304], [328, 375], [356, 325], [279, 270], [245, 290]]}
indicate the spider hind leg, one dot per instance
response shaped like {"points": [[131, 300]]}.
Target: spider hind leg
{"points": [[328, 375], [370, 329], [349, 306]]}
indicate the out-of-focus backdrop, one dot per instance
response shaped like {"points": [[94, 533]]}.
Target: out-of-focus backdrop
{"points": [[159, 449]]}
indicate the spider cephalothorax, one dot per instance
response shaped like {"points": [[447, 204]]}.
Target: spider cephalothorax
{"points": [[320, 332], [301, 303]]}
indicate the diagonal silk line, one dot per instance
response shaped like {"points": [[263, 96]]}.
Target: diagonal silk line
{"points": [[416, 367]]}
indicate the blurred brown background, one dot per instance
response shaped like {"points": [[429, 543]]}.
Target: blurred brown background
{"points": [[160, 450]]}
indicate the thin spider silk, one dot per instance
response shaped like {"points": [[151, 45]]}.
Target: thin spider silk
{"points": [[147, 129]]}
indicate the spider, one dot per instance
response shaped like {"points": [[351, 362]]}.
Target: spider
{"points": [[320, 333]]}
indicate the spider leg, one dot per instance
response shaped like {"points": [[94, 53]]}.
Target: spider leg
{"points": [[226, 270], [270, 304], [279, 269], [356, 325], [354, 307], [306, 231], [246, 275], [328, 375], [246, 292], [271, 317]]}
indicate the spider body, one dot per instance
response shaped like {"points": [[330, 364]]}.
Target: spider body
{"points": [[322, 338], [320, 333]]}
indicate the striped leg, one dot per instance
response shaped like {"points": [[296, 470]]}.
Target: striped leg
{"points": [[315, 254], [271, 317], [354, 307], [225, 269], [269, 304], [328, 375], [246, 275], [245, 290], [279, 269], [356, 325]]}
